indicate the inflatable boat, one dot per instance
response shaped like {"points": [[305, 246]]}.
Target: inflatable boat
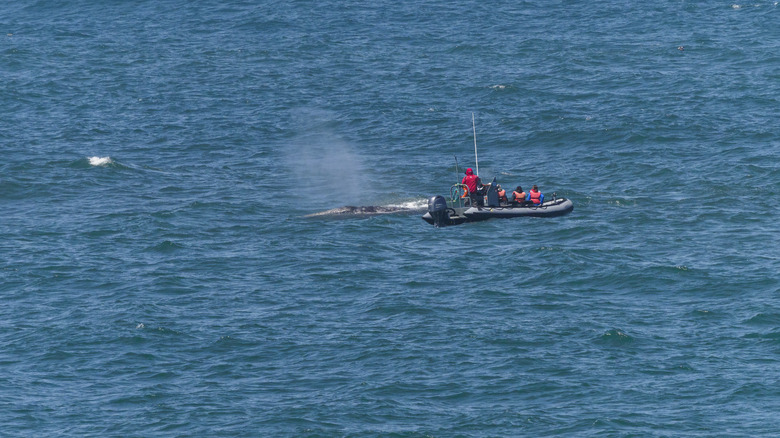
{"points": [[458, 210]]}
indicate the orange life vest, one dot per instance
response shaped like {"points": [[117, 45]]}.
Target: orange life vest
{"points": [[519, 197], [536, 197]]}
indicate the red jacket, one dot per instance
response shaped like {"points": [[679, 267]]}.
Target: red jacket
{"points": [[471, 182]]}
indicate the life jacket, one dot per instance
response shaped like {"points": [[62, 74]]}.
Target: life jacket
{"points": [[536, 197], [519, 197], [502, 195], [471, 182]]}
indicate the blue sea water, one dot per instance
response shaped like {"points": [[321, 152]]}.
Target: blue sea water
{"points": [[159, 277]]}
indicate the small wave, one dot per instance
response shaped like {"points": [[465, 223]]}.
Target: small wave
{"points": [[771, 319], [772, 336], [100, 161], [616, 337], [167, 246], [503, 88]]}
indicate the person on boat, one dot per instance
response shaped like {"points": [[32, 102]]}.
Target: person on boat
{"points": [[473, 183], [519, 196], [535, 196], [501, 195]]}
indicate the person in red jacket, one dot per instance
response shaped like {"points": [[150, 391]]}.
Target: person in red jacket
{"points": [[472, 182]]}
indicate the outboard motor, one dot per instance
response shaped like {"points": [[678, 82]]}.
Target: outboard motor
{"points": [[437, 207]]}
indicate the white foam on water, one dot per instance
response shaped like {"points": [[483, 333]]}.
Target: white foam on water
{"points": [[417, 204], [99, 161]]}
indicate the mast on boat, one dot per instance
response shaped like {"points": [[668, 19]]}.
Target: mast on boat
{"points": [[474, 127]]}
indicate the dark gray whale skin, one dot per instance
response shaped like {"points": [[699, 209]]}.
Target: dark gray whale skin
{"points": [[362, 211]]}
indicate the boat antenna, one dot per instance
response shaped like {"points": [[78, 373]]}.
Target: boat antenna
{"points": [[474, 127]]}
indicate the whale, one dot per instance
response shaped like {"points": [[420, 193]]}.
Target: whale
{"points": [[363, 211]]}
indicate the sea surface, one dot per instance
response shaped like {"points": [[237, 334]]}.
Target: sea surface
{"points": [[159, 276]]}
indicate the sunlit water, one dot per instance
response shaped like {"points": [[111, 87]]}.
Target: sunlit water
{"points": [[160, 276]]}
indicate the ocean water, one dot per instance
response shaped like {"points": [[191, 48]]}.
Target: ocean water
{"points": [[159, 276]]}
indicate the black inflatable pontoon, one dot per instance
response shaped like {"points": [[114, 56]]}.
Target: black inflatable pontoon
{"points": [[457, 211]]}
